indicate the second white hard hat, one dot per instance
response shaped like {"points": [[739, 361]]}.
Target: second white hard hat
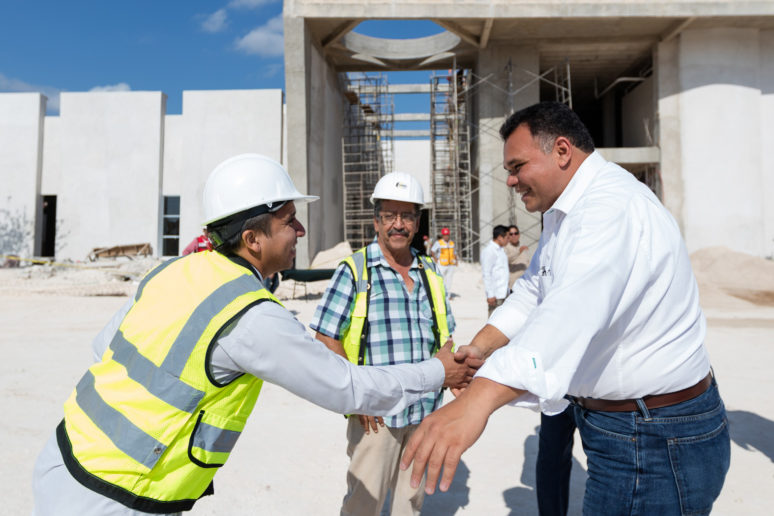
{"points": [[399, 186], [246, 181]]}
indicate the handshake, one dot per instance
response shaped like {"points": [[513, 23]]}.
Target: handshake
{"points": [[460, 366]]}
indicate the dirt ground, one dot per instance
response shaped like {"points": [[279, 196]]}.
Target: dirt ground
{"points": [[291, 458]]}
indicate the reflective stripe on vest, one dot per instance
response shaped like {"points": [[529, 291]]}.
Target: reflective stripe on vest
{"points": [[147, 426], [446, 254], [355, 335]]}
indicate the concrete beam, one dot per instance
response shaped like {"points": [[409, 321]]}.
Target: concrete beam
{"points": [[411, 133], [521, 9], [339, 32], [411, 117], [402, 89], [486, 31], [466, 36], [631, 155]]}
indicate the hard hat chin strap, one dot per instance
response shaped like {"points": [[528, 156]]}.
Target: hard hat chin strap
{"points": [[223, 231]]}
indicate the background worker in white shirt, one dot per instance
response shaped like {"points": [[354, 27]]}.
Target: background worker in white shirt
{"points": [[607, 313], [494, 268]]}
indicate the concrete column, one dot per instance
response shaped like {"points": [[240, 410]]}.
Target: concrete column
{"points": [[767, 137], [668, 134], [21, 161], [493, 105], [315, 111], [720, 130], [297, 82]]}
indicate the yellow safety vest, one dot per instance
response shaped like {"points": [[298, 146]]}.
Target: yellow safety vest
{"points": [[354, 338], [446, 255], [148, 426]]}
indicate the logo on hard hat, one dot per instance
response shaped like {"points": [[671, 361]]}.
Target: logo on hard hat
{"points": [[401, 185]]}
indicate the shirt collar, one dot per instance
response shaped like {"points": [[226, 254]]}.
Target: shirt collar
{"points": [[579, 182], [376, 256]]}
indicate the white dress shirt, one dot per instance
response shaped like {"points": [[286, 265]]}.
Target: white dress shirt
{"points": [[494, 267], [609, 306], [271, 344]]}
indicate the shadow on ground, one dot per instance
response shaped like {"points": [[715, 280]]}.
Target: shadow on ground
{"points": [[752, 432], [457, 497], [522, 501]]}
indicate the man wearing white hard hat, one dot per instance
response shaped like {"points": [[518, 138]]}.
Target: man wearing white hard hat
{"points": [[386, 304], [178, 369]]}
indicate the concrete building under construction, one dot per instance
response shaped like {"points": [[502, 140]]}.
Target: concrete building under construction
{"points": [[679, 92]]}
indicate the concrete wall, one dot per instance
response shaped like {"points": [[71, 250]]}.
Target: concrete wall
{"points": [[21, 149], [492, 108], [110, 189], [217, 125], [324, 165], [638, 115], [720, 128], [174, 152], [414, 156], [767, 137], [52, 156]]}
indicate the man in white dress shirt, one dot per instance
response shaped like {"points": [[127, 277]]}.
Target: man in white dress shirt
{"points": [[607, 314], [494, 268], [146, 435]]}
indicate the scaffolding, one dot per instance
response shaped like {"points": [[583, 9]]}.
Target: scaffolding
{"points": [[367, 151], [557, 76], [450, 182]]}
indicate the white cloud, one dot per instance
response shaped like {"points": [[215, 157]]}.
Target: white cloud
{"points": [[248, 4], [16, 85], [266, 40], [215, 22], [121, 86]]}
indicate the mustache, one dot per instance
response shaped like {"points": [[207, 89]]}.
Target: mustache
{"points": [[401, 232]]}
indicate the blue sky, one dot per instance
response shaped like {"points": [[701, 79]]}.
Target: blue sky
{"points": [[52, 46]]}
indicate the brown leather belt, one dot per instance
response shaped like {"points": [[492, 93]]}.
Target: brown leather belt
{"points": [[652, 402]]}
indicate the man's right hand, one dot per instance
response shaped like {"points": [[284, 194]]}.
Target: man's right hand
{"points": [[491, 301], [464, 354], [458, 373]]}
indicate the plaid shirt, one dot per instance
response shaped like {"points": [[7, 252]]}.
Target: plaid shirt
{"points": [[400, 322]]}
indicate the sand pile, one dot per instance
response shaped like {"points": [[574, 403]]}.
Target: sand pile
{"points": [[108, 277], [728, 279]]}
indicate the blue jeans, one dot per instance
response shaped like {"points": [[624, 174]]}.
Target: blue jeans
{"points": [[665, 461], [554, 463]]}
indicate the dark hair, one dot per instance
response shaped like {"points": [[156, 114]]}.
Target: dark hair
{"points": [[547, 121], [231, 243], [498, 231], [513, 226]]}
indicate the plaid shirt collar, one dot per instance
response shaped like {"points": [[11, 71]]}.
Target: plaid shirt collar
{"points": [[376, 256]]}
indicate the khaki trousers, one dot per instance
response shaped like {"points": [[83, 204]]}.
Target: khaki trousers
{"points": [[374, 471]]}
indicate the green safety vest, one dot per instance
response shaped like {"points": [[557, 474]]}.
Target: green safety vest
{"points": [[354, 338], [148, 426]]}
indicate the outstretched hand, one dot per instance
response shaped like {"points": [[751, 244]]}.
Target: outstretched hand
{"points": [[445, 434], [459, 373]]}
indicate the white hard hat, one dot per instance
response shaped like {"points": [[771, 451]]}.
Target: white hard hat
{"points": [[248, 181], [399, 186]]}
